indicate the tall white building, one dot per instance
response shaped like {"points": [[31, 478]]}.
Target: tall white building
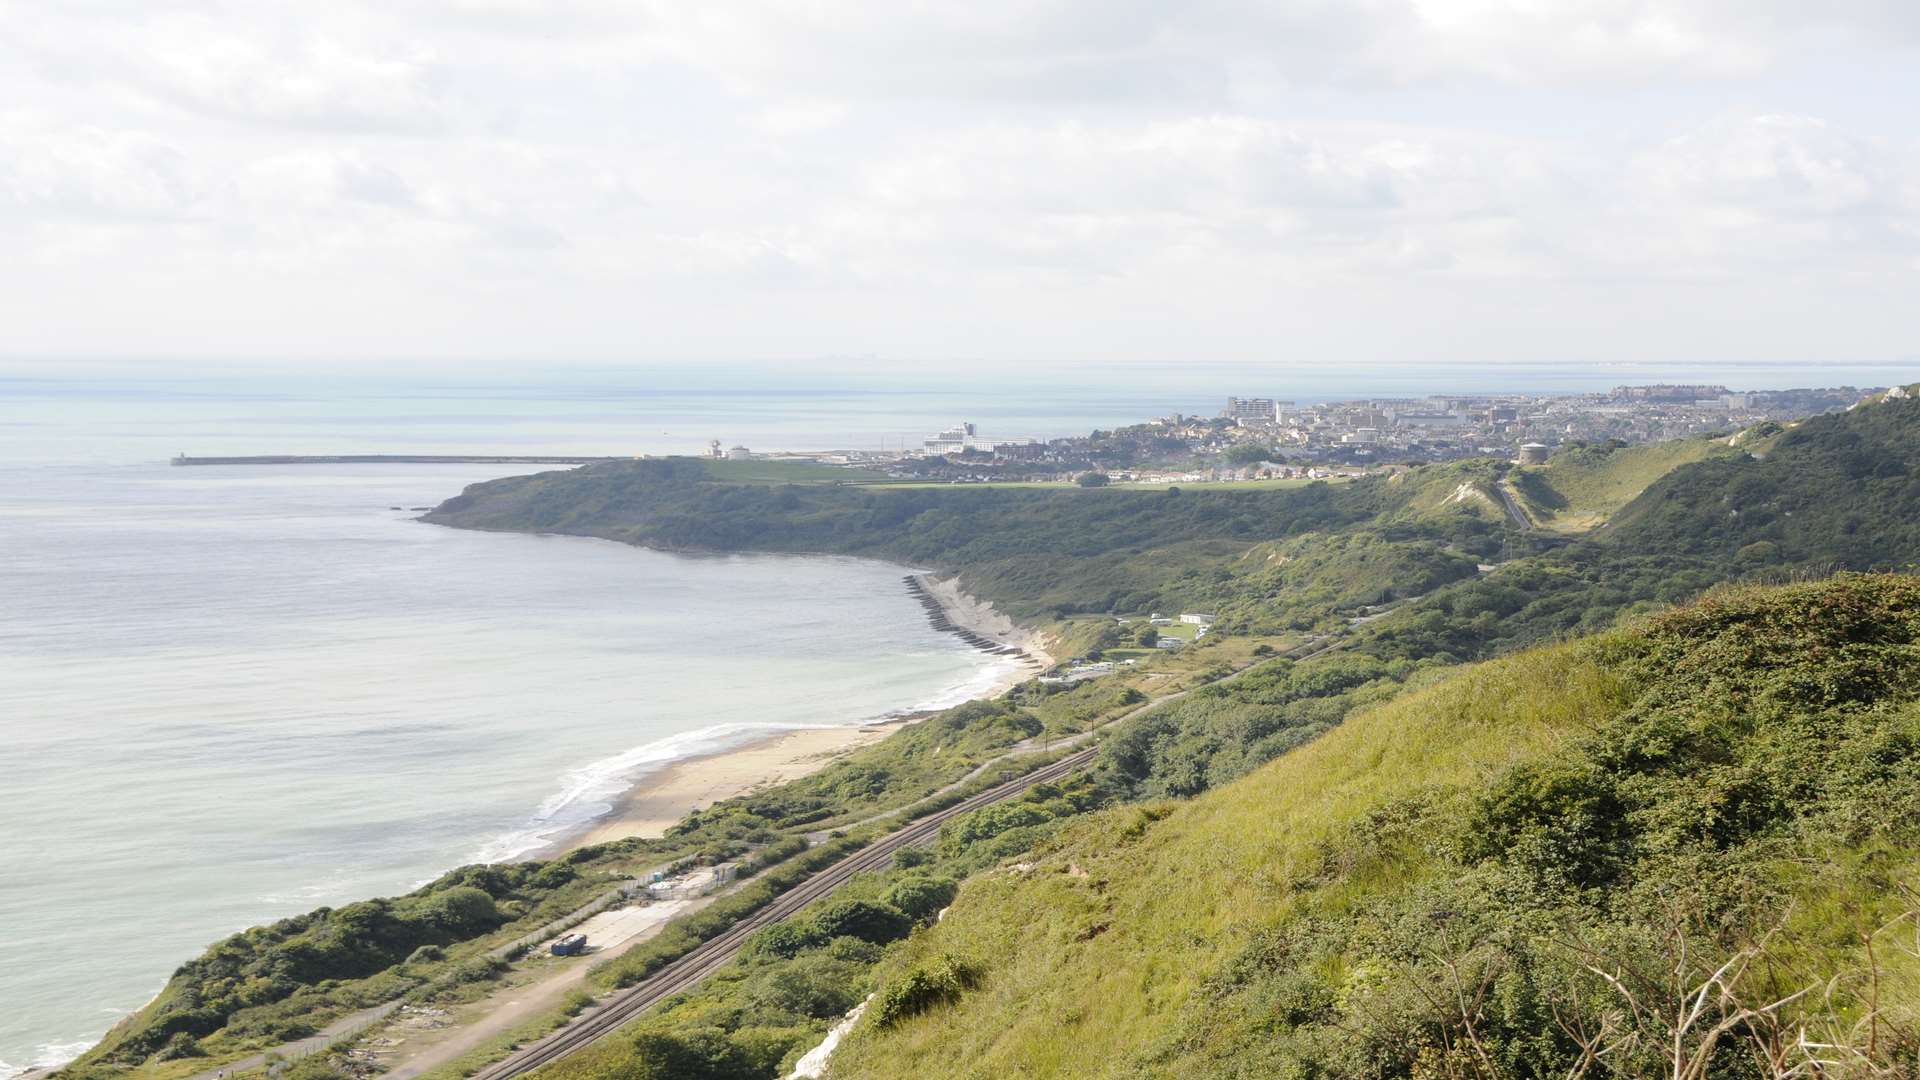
{"points": [[1251, 408], [954, 440]]}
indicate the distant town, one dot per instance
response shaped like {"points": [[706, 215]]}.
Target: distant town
{"points": [[1255, 438]]}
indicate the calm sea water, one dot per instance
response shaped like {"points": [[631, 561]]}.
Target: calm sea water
{"points": [[229, 695]]}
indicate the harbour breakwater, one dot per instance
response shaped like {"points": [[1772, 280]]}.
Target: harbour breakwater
{"points": [[940, 620], [393, 459]]}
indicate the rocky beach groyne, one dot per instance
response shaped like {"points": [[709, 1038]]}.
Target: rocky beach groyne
{"points": [[953, 612]]}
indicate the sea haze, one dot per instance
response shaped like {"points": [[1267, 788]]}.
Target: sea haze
{"points": [[235, 694]]}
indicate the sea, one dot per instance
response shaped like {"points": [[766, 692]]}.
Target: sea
{"points": [[233, 694]]}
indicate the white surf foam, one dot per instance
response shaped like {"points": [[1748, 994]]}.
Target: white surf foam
{"points": [[588, 792], [46, 1056]]}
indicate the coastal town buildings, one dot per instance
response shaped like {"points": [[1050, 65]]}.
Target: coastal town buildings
{"points": [[1254, 410], [1266, 438]]}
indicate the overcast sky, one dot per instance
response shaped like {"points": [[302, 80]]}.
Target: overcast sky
{"points": [[1079, 182]]}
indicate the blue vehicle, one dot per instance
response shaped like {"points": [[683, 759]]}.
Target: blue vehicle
{"points": [[570, 945]]}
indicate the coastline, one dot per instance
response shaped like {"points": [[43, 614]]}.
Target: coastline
{"points": [[975, 616], [661, 799]]}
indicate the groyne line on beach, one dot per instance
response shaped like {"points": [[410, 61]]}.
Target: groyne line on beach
{"points": [[939, 619]]}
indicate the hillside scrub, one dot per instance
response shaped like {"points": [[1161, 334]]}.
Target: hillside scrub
{"points": [[1585, 483], [1034, 553], [273, 981], [1475, 878], [793, 979]]}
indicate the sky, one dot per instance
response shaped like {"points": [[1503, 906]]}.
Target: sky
{"points": [[1067, 184]]}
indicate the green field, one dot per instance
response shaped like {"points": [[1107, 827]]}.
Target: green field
{"points": [[785, 472]]}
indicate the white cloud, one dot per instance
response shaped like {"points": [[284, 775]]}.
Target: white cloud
{"points": [[916, 174], [282, 75], [51, 171]]}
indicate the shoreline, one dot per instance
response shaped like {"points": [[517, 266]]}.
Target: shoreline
{"points": [[971, 616], [664, 797]]}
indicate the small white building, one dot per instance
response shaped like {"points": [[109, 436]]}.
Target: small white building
{"points": [[1196, 618], [1168, 643], [739, 453]]}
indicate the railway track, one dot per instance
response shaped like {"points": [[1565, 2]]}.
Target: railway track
{"points": [[713, 954]]}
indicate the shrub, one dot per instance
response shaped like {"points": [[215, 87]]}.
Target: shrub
{"points": [[478, 969], [938, 981], [784, 939], [698, 1054], [1565, 818], [818, 987], [921, 897], [988, 822], [463, 910], [863, 919], [181, 1045]]}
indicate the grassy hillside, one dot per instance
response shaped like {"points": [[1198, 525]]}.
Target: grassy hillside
{"points": [[1478, 876], [1037, 552], [1840, 491], [1583, 485], [1842, 487]]}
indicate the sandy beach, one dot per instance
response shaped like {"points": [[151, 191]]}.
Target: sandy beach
{"points": [[660, 800]]}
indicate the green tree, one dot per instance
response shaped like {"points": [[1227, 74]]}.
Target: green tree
{"points": [[1091, 479]]}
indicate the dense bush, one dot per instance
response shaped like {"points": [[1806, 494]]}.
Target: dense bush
{"points": [[1223, 731], [937, 981], [921, 897]]}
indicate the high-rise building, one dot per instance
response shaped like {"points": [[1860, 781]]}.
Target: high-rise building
{"points": [[954, 440], [1257, 409]]}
